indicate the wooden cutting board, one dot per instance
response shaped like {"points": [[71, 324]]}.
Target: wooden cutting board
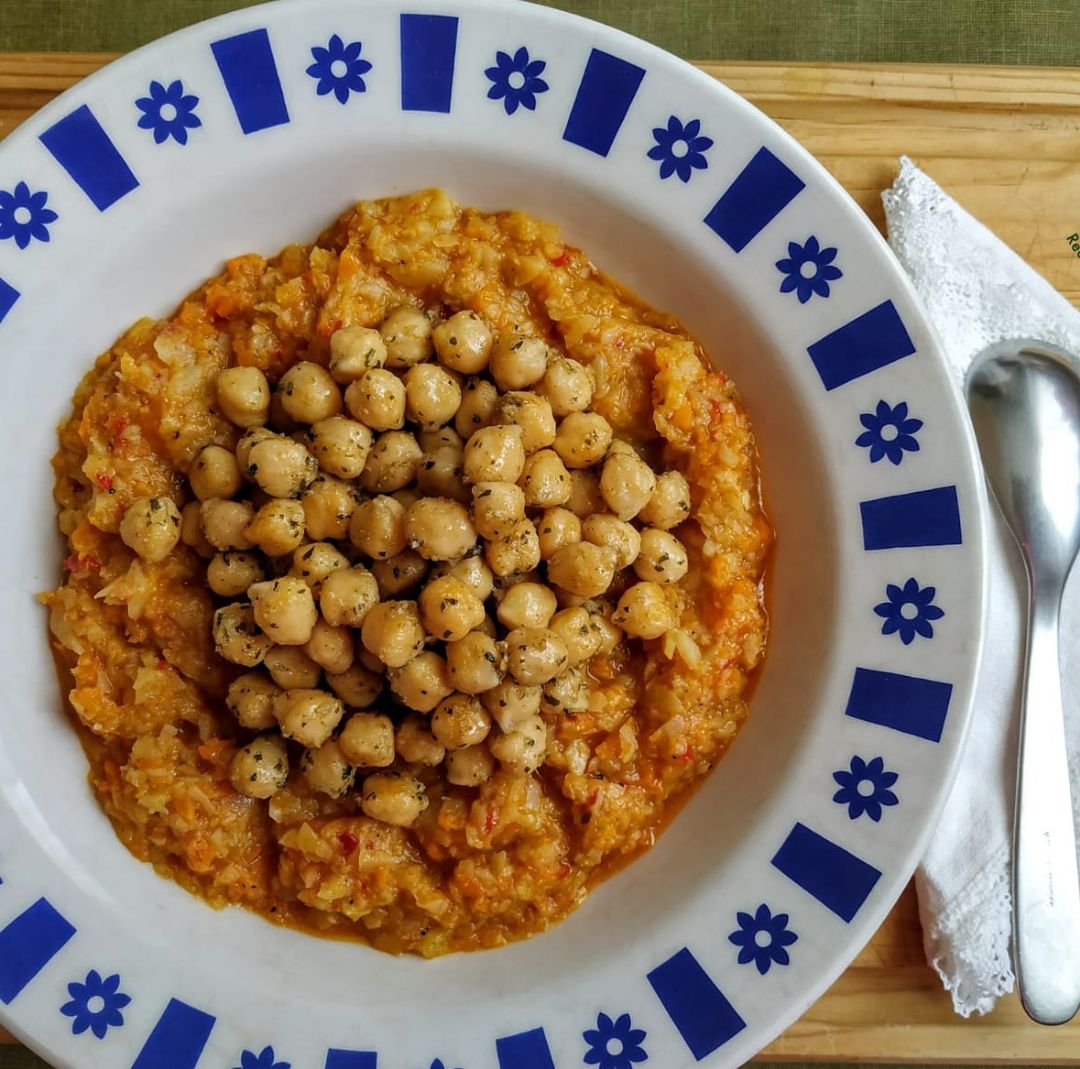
{"points": [[1006, 143]]}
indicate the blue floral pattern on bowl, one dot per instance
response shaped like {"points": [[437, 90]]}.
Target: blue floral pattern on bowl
{"points": [[339, 69], [265, 1059], [516, 81], [908, 611], [680, 149], [169, 112], [24, 216], [95, 1004], [615, 1044], [877, 780], [763, 938], [890, 432], [823, 270]]}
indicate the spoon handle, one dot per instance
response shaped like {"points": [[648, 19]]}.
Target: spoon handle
{"points": [[1046, 889]]}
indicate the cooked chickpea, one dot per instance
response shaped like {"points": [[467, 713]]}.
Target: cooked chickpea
{"points": [[511, 703], [407, 334], [567, 694], [585, 498], [603, 529], [340, 446], [479, 400], [309, 393], [644, 611], [151, 527], [347, 595], [278, 527], [392, 463], [442, 474], [449, 608], [232, 572], [237, 637], [331, 648], [281, 466], [367, 740], [399, 573], [663, 557], [526, 605], [626, 484], [555, 528], [518, 361], [669, 504], [191, 532], [353, 350], [610, 633], [495, 455], [327, 770], [243, 395], [393, 797], [439, 529], [532, 414], [215, 473], [545, 480], [583, 569], [357, 687], [314, 561], [225, 523], [463, 343], [474, 663], [328, 504], [535, 655], [251, 700], [469, 766], [415, 743], [432, 438], [579, 632], [284, 609], [377, 527], [582, 439], [521, 751], [460, 721], [394, 632], [497, 508], [261, 768], [248, 441], [291, 668], [472, 571], [308, 716], [567, 386], [518, 551], [377, 399], [421, 683], [432, 395]]}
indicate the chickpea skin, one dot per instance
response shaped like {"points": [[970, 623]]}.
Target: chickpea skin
{"points": [[545, 480], [469, 766], [151, 527], [511, 703], [604, 529], [518, 361], [353, 350], [578, 630], [432, 395], [243, 395], [327, 770], [377, 527], [518, 551], [392, 463], [567, 386], [449, 609], [583, 569], [358, 687], [626, 483], [421, 683], [308, 716], [439, 529], [215, 473], [459, 721], [669, 504], [331, 648], [284, 609], [394, 632], [556, 528], [251, 699], [495, 454], [399, 573], [415, 743], [377, 399], [393, 797], [474, 663], [367, 740], [229, 574], [532, 414], [521, 751], [406, 331], [348, 595], [291, 668], [237, 637], [582, 439], [644, 612], [261, 768], [463, 343], [479, 400], [341, 446], [534, 655], [526, 605], [497, 508], [663, 557], [281, 467]]}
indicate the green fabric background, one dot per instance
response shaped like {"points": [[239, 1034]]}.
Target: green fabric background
{"points": [[933, 31], [1041, 32]]}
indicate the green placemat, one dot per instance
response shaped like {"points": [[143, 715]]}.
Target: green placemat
{"points": [[882, 31]]}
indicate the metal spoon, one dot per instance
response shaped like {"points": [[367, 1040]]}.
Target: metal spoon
{"points": [[1024, 398]]}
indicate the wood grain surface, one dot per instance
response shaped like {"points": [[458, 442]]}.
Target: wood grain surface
{"points": [[1005, 142]]}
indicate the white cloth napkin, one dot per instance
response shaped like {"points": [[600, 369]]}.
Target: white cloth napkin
{"points": [[978, 291]]}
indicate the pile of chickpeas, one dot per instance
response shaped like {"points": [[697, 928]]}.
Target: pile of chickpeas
{"points": [[440, 514]]}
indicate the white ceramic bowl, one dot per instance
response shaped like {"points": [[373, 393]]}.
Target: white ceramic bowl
{"points": [[812, 823]]}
